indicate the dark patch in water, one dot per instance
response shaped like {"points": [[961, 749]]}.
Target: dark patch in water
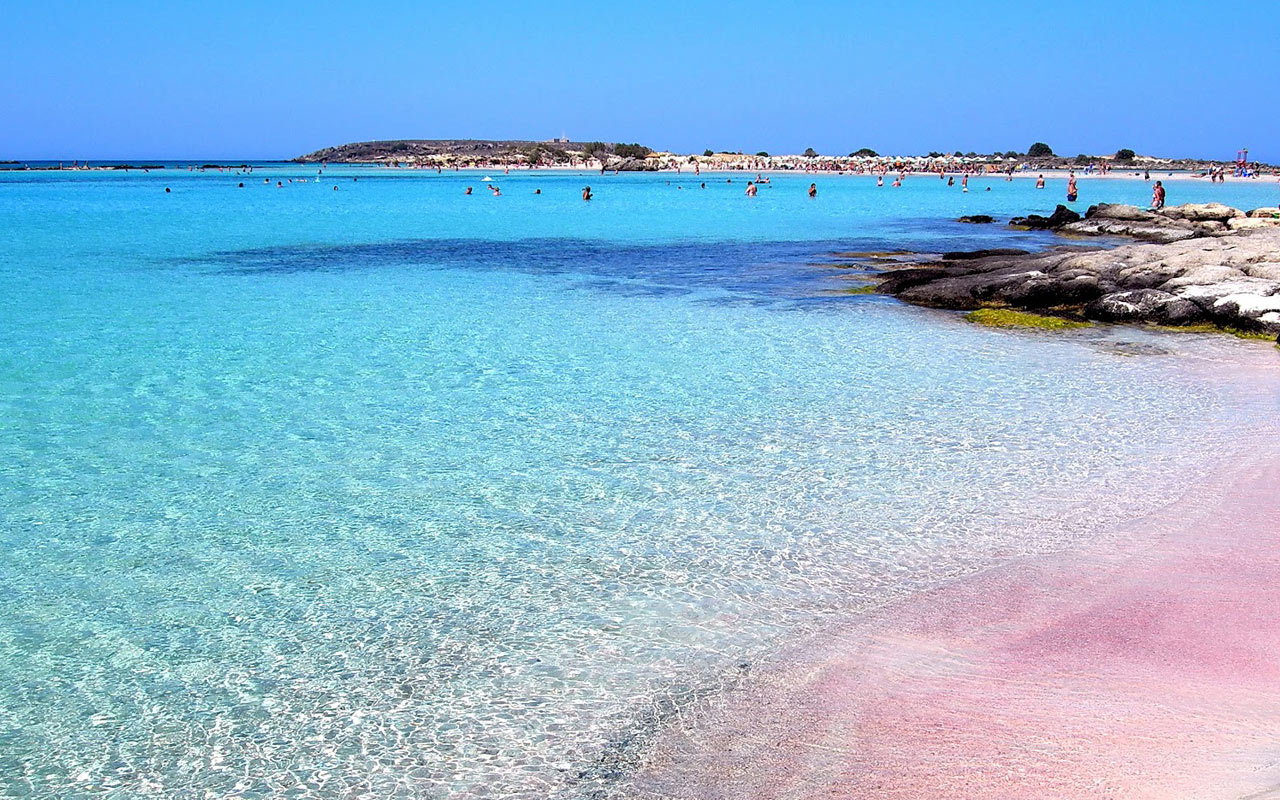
{"points": [[777, 270]]}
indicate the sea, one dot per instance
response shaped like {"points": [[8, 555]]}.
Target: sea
{"points": [[339, 482]]}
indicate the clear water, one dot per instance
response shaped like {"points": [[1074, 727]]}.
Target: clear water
{"points": [[391, 491]]}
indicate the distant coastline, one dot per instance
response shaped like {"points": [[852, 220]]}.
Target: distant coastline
{"points": [[486, 153]]}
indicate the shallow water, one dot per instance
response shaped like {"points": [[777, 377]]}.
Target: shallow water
{"points": [[388, 489]]}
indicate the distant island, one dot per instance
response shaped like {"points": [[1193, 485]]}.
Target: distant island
{"points": [[487, 153]]}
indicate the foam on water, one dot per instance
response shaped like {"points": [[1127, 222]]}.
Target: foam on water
{"points": [[372, 493]]}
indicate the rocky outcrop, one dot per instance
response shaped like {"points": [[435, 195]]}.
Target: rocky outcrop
{"points": [[1231, 278], [978, 219], [1061, 216], [1172, 224], [632, 164]]}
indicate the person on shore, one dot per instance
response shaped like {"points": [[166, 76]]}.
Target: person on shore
{"points": [[1157, 196], [1040, 182], [1072, 191], [751, 189], [813, 190], [586, 193]]}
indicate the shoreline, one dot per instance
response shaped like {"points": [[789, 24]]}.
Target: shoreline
{"points": [[1140, 665]]}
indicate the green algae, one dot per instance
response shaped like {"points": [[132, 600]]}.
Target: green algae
{"points": [[1008, 318]]}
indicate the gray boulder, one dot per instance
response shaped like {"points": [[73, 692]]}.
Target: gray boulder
{"points": [[1144, 305], [1201, 212]]}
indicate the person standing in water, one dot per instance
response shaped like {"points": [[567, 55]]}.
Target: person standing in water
{"points": [[813, 190], [586, 193], [751, 189], [1040, 182], [1072, 191], [1157, 196]]}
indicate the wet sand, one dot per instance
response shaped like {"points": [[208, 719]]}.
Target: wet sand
{"points": [[1146, 667]]}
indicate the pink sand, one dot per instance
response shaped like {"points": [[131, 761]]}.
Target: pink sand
{"points": [[1150, 671]]}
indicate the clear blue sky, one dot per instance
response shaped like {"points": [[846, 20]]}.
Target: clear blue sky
{"points": [[234, 80]]}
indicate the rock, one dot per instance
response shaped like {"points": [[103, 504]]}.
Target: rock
{"points": [[1144, 305], [977, 219], [1060, 216], [969, 255], [899, 279], [1118, 211], [1207, 295], [1267, 269], [1201, 276], [1249, 311], [1209, 227], [1232, 278], [1265, 212], [632, 164], [1149, 230], [1252, 223], [1201, 212]]}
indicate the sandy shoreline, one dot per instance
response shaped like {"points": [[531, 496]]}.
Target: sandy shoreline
{"points": [[1142, 667]]}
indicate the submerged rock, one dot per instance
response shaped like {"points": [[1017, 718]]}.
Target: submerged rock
{"points": [[977, 219]]}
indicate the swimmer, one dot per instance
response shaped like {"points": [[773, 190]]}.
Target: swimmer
{"points": [[879, 180], [586, 193], [751, 189], [1040, 182], [468, 191], [813, 190], [537, 191], [166, 190]]}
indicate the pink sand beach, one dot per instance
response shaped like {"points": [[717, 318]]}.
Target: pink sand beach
{"points": [[1147, 666]]}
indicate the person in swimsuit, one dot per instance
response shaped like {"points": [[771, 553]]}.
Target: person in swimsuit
{"points": [[1157, 196], [813, 190], [751, 189], [586, 193], [1072, 191]]}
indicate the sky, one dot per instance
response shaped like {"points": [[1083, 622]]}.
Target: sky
{"points": [[134, 79]]}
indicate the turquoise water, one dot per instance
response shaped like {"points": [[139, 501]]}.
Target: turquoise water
{"points": [[391, 491]]}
